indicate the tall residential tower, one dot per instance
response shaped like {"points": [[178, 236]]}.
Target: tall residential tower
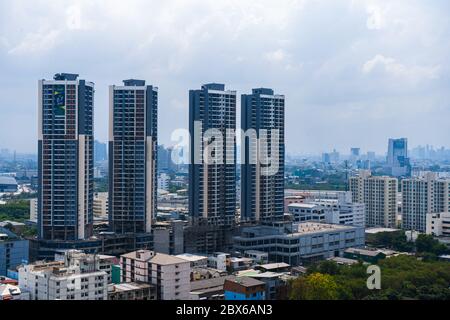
{"points": [[212, 184], [133, 157], [263, 115], [65, 148]]}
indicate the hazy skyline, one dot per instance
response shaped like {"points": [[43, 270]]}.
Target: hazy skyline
{"points": [[354, 73]]}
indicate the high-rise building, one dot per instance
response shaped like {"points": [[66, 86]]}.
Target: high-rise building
{"points": [[262, 170], [379, 194], [133, 157], [421, 197], [212, 184], [100, 151], [397, 160], [66, 162]]}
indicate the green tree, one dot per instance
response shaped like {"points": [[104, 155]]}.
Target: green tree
{"points": [[316, 286]]}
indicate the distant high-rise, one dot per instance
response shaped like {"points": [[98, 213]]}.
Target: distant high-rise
{"points": [[397, 160], [212, 184], [133, 157], [422, 196], [100, 151], [65, 147], [379, 194], [262, 118]]}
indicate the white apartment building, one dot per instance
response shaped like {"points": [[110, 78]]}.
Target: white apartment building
{"points": [[163, 181], [88, 262], [335, 211], [219, 261], [33, 210], [379, 194], [438, 224], [56, 281], [170, 275], [422, 196], [307, 212], [100, 204]]}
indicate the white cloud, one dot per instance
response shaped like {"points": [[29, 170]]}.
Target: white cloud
{"points": [[36, 42], [415, 73], [74, 18], [376, 19]]}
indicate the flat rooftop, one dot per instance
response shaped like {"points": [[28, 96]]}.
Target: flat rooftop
{"points": [[122, 287], [274, 266], [191, 257], [380, 230]]}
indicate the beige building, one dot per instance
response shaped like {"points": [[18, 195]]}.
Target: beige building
{"points": [[438, 224], [101, 205], [170, 275], [379, 194]]}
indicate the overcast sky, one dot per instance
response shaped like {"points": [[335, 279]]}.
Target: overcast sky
{"points": [[354, 72]]}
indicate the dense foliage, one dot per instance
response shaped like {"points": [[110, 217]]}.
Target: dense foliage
{"points": [[17, 210], [402, 277]]}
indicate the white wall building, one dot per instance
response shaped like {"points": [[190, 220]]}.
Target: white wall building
{"points": [[33, 210], [163, 181], [379, 194], [59, 281], [219, 261], [170, 275], [438, 224], [423, 196]]}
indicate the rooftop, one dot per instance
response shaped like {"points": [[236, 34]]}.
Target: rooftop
{"points": [[213, 283], [274, 266], [379, 230], [191, 257], [154, 257], [6, 180], [246, 281], [128, 286]]}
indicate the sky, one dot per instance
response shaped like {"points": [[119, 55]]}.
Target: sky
{"points": [[354, 72]]}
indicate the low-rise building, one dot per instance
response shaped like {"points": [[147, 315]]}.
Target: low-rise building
{"points": [[59, 281], [370, 256], [12, 292], [196, 261], [300, 243], [238, 264], [219, 261], [132, 291], [244, 288], [209, 289], [8, 184], [170, 275], [438, 224], [258, 257], [13, 251]]}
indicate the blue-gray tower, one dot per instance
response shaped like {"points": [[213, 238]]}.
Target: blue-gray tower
{"points": [[212, 186], [263, 122], [66, 167], [133, 140]]}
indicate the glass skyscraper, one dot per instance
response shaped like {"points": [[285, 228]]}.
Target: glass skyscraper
{"points": [[263, 117], [212, 185], [65, 147], [133, 144]]}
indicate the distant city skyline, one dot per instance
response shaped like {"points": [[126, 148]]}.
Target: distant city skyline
{"points": [[379, 71]]}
